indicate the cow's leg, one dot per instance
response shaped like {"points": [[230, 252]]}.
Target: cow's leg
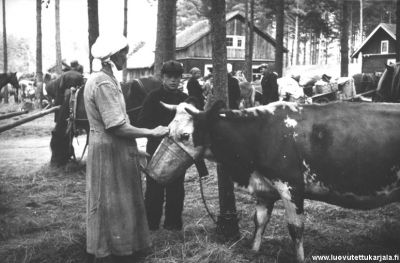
{"points": [[293, 202], [296, 226], [261, 219]]}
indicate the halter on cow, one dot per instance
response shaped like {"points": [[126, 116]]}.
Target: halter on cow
{"points": [[346, 154], [388, 89]]}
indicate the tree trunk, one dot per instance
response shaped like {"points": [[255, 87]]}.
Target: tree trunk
{"points": [[293, 52], [227, 223], [280, 16], [246, 35], [361, 21], [326, 52], [249, 42], [5, 56], [398, 31], [124, 71], [166, 34], [344, 40], [286, 42], [296, 39], [319, 50], [58, 38], [311, 48], [39, 70], [351, 47], [93, 26]]}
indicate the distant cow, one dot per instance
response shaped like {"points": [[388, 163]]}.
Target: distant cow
{"points": [[341, 153]]}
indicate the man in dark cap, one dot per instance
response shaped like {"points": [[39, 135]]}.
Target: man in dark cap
{"points": [[152, 115], [269, 84]]}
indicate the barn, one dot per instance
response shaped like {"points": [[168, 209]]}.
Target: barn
{"points": [[193, 48], [378, 48]]}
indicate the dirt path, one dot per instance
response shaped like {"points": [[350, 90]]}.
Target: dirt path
{"points": [[25, 155]]}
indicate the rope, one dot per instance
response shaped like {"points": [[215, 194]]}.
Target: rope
{"points": [[205, 203], [201, 187]]}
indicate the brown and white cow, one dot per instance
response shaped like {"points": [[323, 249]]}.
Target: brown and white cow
{"points": [[347, 154]]}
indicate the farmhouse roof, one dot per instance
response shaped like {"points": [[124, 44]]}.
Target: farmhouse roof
{"points": [[202, 28], [144, 57], [390, 29]]}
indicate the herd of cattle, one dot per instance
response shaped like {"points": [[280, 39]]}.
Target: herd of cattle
{"points": [[23, 88], [343, 153]]}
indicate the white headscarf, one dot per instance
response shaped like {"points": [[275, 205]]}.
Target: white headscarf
{"points": [[106, 46]]}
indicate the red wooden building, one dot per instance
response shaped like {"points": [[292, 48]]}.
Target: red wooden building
{"points": [[378, 48], [193, 48]]}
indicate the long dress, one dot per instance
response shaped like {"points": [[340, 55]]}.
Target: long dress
{"points": [[116, 216]]}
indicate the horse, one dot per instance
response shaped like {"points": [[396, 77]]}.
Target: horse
{"points": [[134, 92], [388, 89], [365, 82], [56, 88], [9, 78]]}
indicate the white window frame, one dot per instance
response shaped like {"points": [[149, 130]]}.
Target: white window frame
{"points": [[206, 67], [391, 61], [235, 40], [383, 42], [254, 74]]}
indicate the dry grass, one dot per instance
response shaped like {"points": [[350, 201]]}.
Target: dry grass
{"points": [[42, 219]]}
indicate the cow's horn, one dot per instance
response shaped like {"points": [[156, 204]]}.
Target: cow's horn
{"points": [[192, 111], [169, 106]]}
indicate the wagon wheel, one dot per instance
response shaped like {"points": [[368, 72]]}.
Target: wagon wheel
{"points": [[321, 100]]}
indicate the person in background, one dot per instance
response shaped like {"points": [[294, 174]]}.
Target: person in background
{"points": [[208, 85], [152, 115], [116, 224], [194, 88], [76, 66], [269, 85], [233, 90]]}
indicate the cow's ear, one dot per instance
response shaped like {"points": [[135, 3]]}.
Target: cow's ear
{"points": [[193, 101], [216, 109], [169, 106], [218, 106]]}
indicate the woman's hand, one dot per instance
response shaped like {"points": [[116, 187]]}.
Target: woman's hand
{"points": [[160, 131]]}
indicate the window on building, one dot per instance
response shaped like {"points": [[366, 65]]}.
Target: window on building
{"points": [[391, 61], [256, 73], [229, 41], [384, 46], [233, 41]]}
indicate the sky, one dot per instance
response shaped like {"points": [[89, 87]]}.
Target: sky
{"points": [[21, 22]]}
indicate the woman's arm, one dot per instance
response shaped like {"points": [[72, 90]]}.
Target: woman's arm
{"points": [[128, 131]]}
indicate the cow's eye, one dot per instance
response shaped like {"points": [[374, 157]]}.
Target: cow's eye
{"points": [[185, 136]]}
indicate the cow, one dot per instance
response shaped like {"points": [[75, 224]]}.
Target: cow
{"points": [[342, 153]]}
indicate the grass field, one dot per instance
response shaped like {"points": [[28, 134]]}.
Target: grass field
{"points": [[42, 216]]}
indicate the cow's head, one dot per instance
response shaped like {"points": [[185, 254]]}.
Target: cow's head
{"points": [[187, 142]]}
